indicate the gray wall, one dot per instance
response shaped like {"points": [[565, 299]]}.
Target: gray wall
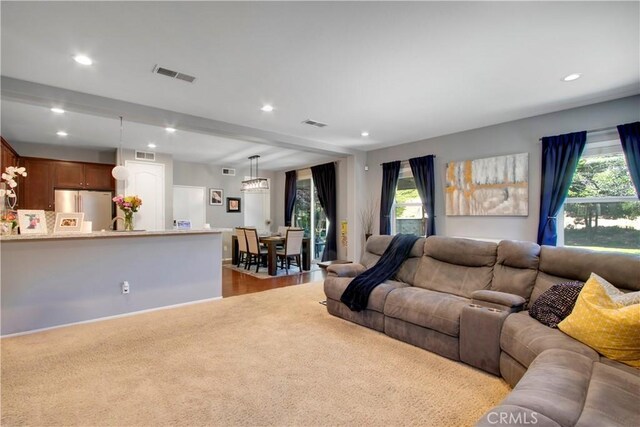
{"points": [[80, 279], [210, 176], [513, 137], [61, 152]]}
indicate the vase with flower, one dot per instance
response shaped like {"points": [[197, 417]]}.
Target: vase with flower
{"points": [[9, 198], [129, 205]]}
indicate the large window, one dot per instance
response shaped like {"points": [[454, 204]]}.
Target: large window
{"points": [[602, 211], [407, 213]]}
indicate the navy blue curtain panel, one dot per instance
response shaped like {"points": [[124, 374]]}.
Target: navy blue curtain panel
{"points": [[560, 155], [324, 179], [423, 173], [390, 174], [290, 189], [630, 139]]}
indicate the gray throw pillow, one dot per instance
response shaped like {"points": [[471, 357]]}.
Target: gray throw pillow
{"points": [[555, 303]]}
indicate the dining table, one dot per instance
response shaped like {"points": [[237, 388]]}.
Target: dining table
{"points": [[272, 241]]}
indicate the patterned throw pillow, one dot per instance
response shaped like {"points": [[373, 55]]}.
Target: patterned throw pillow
{"points": [[555, 303], [604, 323]]}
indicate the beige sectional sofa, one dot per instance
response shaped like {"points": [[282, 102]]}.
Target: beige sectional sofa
{"points": [[466, 300]]}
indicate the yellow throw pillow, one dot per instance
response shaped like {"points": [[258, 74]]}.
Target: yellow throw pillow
{"points": [[605, 322]]}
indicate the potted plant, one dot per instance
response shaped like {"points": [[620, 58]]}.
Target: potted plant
{"points": [[367, 216]]}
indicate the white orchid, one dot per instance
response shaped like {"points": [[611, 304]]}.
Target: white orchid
{"points": [[9, 176]]}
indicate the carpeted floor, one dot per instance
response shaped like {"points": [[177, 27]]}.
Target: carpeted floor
{"points": [[270, 358]]}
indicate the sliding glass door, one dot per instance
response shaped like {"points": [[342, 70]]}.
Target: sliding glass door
{"points": [[308, 213]]}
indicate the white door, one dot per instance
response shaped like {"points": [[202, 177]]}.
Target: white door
{"points": [[146, 180], [189, 203]]}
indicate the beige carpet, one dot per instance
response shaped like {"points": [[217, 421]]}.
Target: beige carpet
{"points": [[270, 358]]}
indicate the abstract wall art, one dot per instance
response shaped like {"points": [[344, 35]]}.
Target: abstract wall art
{"points": [[488, 187]]}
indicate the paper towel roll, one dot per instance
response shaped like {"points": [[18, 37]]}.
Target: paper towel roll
{"points": [[87, 226]]}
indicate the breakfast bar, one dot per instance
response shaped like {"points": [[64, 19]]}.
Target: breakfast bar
{"points": [[58, 279]]}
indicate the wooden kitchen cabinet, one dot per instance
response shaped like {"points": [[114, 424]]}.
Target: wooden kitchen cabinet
{"points": [[83, 176], [8, 156], [37, 188], [98, 177]]}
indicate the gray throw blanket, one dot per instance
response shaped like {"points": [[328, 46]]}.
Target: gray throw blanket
{"points": [[356, 296]]}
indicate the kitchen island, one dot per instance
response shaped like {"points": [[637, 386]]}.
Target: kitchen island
{"points": [[59, 279]]}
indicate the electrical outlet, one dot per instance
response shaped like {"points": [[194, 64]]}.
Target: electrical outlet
{"points": [[125, 287]]}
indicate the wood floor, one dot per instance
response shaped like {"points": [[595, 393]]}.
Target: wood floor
{"points": [[236, 283]]}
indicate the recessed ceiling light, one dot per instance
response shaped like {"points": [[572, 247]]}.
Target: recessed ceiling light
{"points": [[571, 77], [267, 108], [57, 110], [61, 133], [83, 59], [151, 145], [170, 130], [365, 133]]}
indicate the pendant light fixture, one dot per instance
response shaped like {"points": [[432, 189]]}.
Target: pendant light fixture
{"points": [[120, 172], [254, 184]]}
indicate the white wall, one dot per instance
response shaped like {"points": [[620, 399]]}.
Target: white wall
{"points": [[519, 136]]}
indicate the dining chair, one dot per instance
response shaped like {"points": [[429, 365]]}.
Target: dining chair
{"points": [[255, 252], [282, 230], [292, 249], [242, 245]]}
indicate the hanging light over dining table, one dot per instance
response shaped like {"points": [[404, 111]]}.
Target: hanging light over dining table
{"points": [[254, 184]]}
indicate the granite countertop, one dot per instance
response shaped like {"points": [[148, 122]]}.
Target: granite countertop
{"points": [[105, 234]]}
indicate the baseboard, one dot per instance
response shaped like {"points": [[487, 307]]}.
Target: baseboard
{"points": [[117, 316]]}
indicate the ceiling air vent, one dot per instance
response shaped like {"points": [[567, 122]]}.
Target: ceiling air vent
{"points": [[173, 74], [145, 155], [314, 123], [228, 171]]}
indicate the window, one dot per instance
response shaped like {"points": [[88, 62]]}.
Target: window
{"points": [[407, 213], [308, 213], [602, 211]]}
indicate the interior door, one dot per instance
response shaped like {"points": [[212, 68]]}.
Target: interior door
{"points": [[189, 203], [146, 180]]}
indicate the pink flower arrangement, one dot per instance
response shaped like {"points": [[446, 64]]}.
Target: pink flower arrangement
{"points": [[129, 203]]}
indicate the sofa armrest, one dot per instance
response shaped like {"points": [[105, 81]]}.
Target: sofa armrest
{"points": [[499, 300], [345, 270]]}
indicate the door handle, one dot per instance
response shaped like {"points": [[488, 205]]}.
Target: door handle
{"points": [[81, 204]]}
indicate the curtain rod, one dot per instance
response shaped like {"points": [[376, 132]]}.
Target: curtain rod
{"points": [[607, 129], [406, 160]]}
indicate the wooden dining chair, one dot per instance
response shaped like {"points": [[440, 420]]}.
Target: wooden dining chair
{"points": [[255, 252], [242, 246], [292, 249]]}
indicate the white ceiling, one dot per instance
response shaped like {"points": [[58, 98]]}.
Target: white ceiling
{"points": [[403, 71]]}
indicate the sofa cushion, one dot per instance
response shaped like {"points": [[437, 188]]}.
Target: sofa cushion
{"points": [[604, 324], [516, 267], [556, 303], [335, 286], [563, 264], [524, 338], [429, 309], [456, 266], [569, 389]]}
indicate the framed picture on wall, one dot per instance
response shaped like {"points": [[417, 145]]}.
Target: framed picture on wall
{"points": [[233, 204], [215, 196]]}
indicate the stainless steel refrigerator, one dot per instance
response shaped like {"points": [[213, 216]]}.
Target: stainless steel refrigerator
{"points": [[96, 205]]}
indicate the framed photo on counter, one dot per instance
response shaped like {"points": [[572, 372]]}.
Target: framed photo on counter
{"points": [[68, 222], [32, 221]]}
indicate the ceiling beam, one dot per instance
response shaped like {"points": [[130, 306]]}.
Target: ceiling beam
{"points": [[44, 95]]}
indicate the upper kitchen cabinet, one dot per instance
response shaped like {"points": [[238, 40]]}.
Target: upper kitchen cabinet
{"points": [[8, 157], [85, 176], [37, 188]]}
